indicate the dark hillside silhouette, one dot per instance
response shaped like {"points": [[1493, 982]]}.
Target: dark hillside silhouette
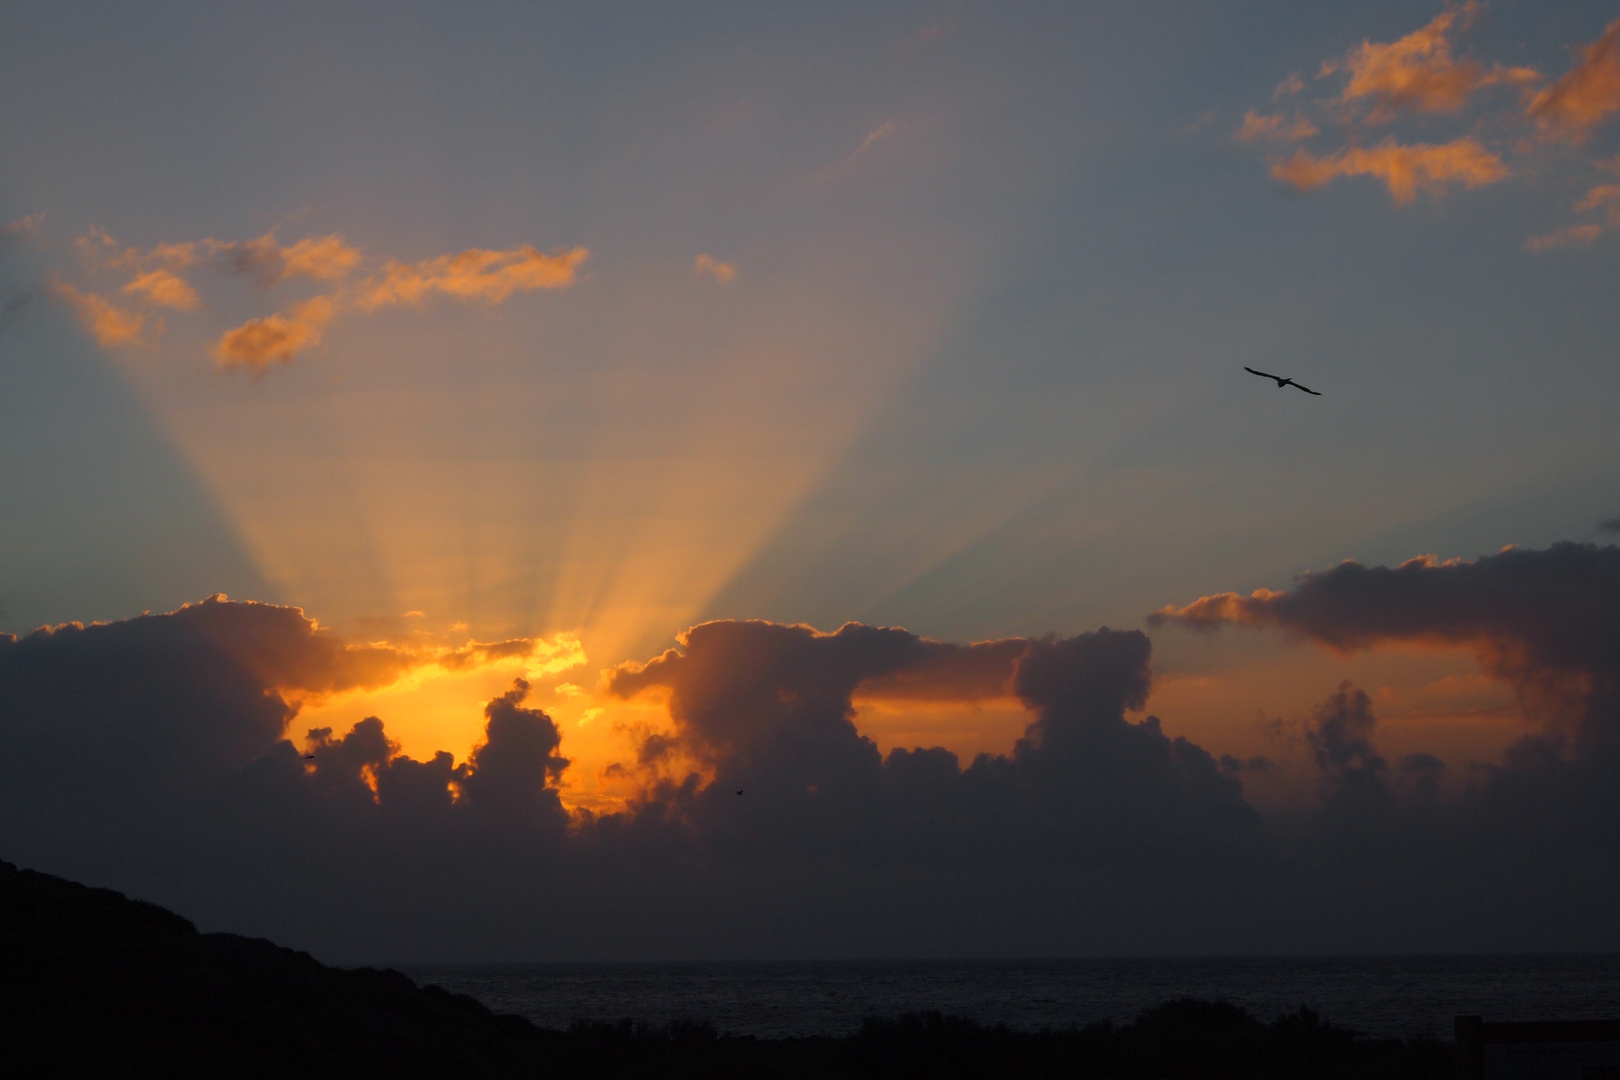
{"points": [[95, 984]]}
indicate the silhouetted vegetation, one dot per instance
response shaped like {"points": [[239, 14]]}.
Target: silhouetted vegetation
{"points": [[94, 984]]}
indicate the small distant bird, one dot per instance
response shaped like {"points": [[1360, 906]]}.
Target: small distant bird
{"points": [[309, 757], [739, 792], [1281, 382]]}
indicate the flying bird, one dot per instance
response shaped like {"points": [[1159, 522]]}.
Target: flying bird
{"points": [[739, 793], [1281, 382]]}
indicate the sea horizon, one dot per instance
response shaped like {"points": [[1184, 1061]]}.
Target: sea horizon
{"points": [[1378, 995]]}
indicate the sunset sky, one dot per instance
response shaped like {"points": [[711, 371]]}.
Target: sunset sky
{"points": [[512, 341]]}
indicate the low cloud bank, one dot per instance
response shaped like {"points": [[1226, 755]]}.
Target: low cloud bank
{"points": [[162, 755]]}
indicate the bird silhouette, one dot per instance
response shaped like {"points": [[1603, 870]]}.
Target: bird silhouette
{"points": [[739, 793], [1281, 382]]}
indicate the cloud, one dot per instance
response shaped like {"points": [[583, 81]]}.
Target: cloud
{"points": [[106, 322], [101, 251], [514, 772], [1546, 621], [1611, 525], [767, 709], [323, 258], [158, 755], [1340, 738], [1276, 128], [1418, 72], [475, 275], [1573, 236], [1584, 96], [1605, 197], [877, 135], [29, 227], [724, 273], [1404, 169], [273, 339], [1291, 85], [165, 289]]}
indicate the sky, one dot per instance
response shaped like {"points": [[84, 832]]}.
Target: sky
{"points": [[440, 445]]}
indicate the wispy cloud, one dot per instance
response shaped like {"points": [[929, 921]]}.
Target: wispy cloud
{"points": [[1574, 236], [1424, 74], [1291, 85], [724, 273], [1603, 197], [165, 289], [30, 226], [877, 135], [1586, 95], [1404, 169], [1275, 128], [157, 280], [275, 339], [475, 274], [103, 320], [323, 258], [1418, 72]]}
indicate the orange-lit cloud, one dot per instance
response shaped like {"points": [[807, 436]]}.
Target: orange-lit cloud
{"points": [[475, 274], [877, 135], [273, 339], [107, 323], [1276, 128], [1291, 85], [1586, 95], [1605, 197], [165, 289], [1543, 621], [1574, 236], [100, 250], [724, 273], [1404, 169], [324, 258], [1418, 72], [29, 226]]}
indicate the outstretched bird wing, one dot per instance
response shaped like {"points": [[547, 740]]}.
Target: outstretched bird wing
{"points": [[1262, 374], [1307, 389]]}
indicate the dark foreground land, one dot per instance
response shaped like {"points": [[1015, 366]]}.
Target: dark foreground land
{"points": [[95, 984]]}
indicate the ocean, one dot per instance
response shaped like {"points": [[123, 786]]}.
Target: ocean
{"points": [[1381, 996]]}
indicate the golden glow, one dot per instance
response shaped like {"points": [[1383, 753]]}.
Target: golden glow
{"points": [[965, 728], [438, 704]]}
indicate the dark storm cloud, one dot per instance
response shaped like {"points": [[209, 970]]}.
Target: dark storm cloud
{"points": [[158, 755], [1611, 525], [1340, 737], [1547, 621], [1538, 832], [770, 709]]}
